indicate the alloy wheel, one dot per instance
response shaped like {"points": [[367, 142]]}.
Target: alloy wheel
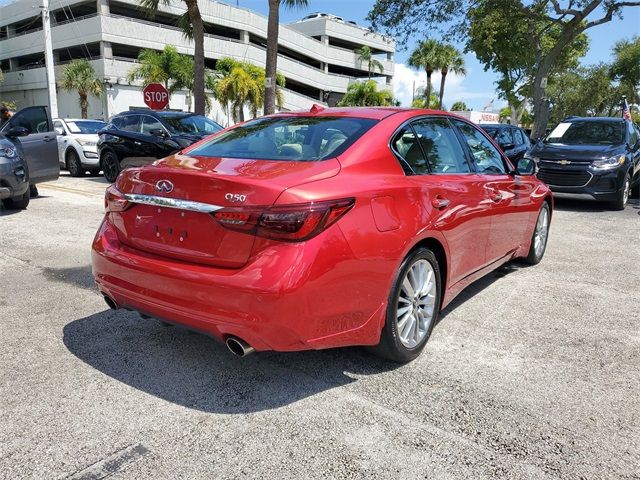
{"points": [[542, 232], [416, 303]]}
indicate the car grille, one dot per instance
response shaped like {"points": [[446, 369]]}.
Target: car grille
{"points": [[564, 178], [546, 161]]}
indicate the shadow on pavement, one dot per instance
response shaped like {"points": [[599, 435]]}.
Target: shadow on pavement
{"points": [[197, 372], [78, 276]]}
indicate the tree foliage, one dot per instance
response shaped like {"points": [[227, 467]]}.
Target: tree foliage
{"points": [[80, 76], [570, 18], [626, 68], [459, 106], [366, 94], [365, 55], [242, 85]]}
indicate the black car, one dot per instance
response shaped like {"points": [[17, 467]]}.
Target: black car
{"points": [[596, 156], [28, 155], [138, 137], [513, 140]]}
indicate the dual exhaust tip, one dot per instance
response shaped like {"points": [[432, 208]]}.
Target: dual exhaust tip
{"points": [[236, 346]]}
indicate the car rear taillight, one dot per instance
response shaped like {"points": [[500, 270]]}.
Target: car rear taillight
{"points": [[114, 200], [291, 223]]}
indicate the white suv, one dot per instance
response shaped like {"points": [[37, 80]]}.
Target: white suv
{"points": [[77, 144]]}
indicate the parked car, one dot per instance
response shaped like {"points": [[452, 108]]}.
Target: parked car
{"points": [[317, 230], [595, 156], [138, 137], [31, 131], [14, 174], [78, 144], [513, 140]]}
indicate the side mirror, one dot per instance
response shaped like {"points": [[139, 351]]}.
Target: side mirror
{"points": [[14, 132], [526, 166], [158, 132], [60, 131]]}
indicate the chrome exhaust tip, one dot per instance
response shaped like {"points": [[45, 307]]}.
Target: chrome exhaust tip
{"points": [[239, 347], [110, 302]]}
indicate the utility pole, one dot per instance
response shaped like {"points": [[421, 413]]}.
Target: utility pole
{"points": [[48, 60]]}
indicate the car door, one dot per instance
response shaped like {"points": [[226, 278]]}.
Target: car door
{"points": [[511, 195], [521, 145], [39, 147], [450, 188]]}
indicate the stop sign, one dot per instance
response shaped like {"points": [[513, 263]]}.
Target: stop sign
{"points": [[155, 96]]}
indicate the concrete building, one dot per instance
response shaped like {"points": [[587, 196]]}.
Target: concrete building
{"points": [[316, 54]]}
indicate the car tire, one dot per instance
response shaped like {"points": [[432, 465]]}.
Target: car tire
{"points": [[540, 236], [411, 315], [33, 191], [94, 171], [110, 166], [623, 194], [74, 165], [18, 203]]}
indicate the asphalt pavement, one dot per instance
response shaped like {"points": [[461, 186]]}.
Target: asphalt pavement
{"points": [[533, 372]]}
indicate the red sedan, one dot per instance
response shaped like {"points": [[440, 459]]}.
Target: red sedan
{"points": [[319, 229]]}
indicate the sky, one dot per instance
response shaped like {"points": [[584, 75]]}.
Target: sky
{"points": [[477, 88]]}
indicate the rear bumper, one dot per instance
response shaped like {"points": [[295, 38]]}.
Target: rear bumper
{"points": [[288, 298]]}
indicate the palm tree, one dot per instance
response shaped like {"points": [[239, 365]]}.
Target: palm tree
{"points": [[252, 81], [365, 55], [427, 55], [272, 50], [451, 60], [167, 67], [366, 94], [79, 75], [193, 29], [459, 106]]}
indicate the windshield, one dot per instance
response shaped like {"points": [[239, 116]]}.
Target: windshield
{"points": [[86, 126], [190, 124], [587, 133], [287, 138]]}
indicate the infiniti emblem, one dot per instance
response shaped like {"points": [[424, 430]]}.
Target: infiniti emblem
{"points": [[164, 186]]}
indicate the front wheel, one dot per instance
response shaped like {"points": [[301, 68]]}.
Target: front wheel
{"points": [[540, 236], [413, 307], [110, 166], [74, 165], [18, 203], [622, 196]]}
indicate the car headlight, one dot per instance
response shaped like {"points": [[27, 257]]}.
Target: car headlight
{"points": [[86, 143], [608, 163], [8, 151]]}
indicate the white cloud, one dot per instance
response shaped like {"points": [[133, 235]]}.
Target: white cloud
{"points": [[405, 79]]}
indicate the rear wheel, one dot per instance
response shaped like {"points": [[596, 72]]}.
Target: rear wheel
{"points": [[622, 196], [540, 236], [74, 165], [18, 203], [413, 307], [110, 166], [33, 191]]}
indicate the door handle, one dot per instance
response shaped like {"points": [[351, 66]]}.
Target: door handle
{"points": [[440, 202], [47, 139]]}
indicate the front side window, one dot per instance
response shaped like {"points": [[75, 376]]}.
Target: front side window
{"points": [[487, 157], [441, 147], [292, 138], [34, 119], [194, 124], [518, 137]]}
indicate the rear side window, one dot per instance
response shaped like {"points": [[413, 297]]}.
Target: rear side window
{"points": [[127, 123], [441, 147], [293, 138]]}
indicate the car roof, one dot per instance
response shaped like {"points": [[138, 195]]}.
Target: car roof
{"points": [[595, 119], [498, 125], [79, 120], [153, 113], [374, 113]]}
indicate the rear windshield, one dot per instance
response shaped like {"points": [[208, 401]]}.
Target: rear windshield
{"points": [[197, 124], [587, 133], [85, 126], [304, 139]]}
